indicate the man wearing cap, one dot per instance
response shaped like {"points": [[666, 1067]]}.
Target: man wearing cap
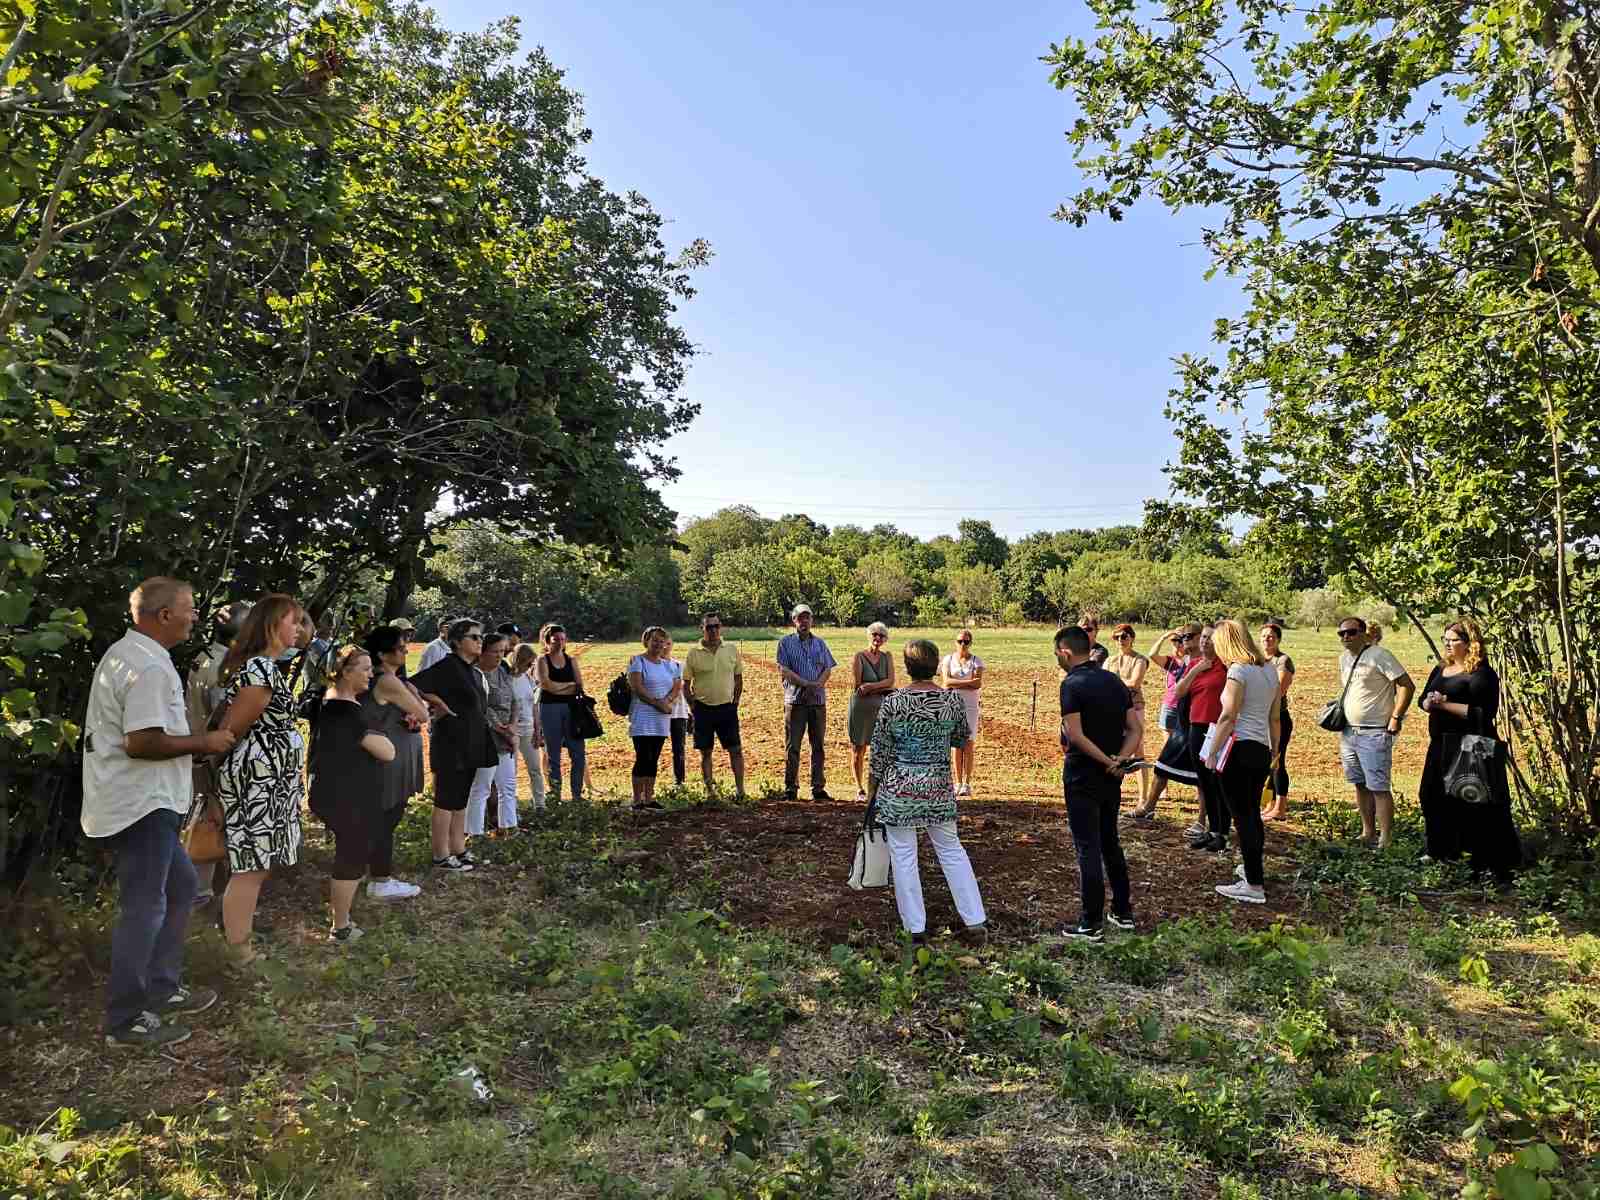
{"points": [[405, 626], [804, 662]]}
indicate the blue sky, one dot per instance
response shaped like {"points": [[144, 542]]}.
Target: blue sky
{"points": [[893, 327]]}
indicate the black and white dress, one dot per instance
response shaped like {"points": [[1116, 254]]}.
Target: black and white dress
{"points": [[261, 780]]}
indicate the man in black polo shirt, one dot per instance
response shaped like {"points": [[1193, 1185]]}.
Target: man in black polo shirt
{"points": [[1099, 733]]}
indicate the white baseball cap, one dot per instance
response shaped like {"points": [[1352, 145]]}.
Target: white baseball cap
{"points": [[800, 608]]}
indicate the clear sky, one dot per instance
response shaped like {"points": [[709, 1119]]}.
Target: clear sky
{"points": [[893, 327]]}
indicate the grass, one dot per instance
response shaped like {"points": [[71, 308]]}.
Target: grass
{"points": [[1412, 1038]]}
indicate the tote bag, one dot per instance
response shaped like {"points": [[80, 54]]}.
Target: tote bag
{"points": [[870, 867]]}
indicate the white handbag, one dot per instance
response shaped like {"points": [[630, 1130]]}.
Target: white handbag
{"points": [[870, 869]]}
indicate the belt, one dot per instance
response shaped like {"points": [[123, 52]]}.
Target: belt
{"points": [[1384, 726]]}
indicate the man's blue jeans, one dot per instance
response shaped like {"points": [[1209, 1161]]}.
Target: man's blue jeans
{"points": [[158, 886]]}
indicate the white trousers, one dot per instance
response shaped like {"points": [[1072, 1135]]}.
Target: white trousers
{"points": [[531, 755], [504, 776], [953, 861]]}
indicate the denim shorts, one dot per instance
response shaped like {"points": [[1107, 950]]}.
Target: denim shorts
{"points": [[1366, 755], [1169, 718]]}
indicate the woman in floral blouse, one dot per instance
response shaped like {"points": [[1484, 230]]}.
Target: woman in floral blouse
{"points": [[909, 787]]}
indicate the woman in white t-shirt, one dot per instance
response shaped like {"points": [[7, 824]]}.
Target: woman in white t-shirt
{"points": [[962, 673], [656, 682], [1241, 746], [525, 724]]}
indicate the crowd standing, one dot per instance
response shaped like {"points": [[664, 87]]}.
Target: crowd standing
{"points": [[158, 748]]}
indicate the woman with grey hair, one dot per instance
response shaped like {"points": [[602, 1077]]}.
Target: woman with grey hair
{"points": [[910, 789], [873, 675]]}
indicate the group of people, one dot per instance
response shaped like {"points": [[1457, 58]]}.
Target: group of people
{"points": [[159, 749]]}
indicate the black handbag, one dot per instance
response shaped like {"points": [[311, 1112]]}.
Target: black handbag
{"points": [[585, 721], [1332, 718]]}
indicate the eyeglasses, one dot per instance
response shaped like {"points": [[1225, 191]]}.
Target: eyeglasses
{"points": [[1349, 633], [472, 637], [880, 637]]}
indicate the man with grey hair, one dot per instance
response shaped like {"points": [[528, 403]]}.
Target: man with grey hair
{"points": [[804, 662], [137, 778]]}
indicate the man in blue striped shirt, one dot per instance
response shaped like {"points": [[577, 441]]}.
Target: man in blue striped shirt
{"points": [[805, 662]]}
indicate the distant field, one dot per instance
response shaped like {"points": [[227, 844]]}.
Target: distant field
{"points": [[1018, 753]]}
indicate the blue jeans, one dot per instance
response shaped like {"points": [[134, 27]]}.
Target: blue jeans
{"points": [[158, 885], [560, 731]]}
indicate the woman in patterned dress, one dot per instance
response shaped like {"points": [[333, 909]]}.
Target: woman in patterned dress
{"points": [[261, 779], [909, 788]]}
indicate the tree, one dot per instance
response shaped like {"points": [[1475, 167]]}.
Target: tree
{"points": [[1056, 590], [887, 577], [1317, 607], [974, 591], [1022, 578], [1418, 332], [1170, 529], [746, 585], [978, 545], [705, 538]]}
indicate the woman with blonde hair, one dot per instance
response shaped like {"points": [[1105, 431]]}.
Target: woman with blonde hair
{"points": [[872, 677], [1240, 747], [261, 780], [1462, 696]]}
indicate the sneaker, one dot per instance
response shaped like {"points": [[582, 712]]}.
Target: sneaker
{"points": [[789, 795], [392, 889], [469, 859], [974, 936], [1122, 921], [146, 1031], [343, 937], [820, 794], [1425, 861], [451, 862], [1195, 830], [1246, 892], [1082, 933], [188, 1000], [1215, 844]]}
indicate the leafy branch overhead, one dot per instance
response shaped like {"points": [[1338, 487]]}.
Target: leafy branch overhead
{"points": [[1410, 196]]}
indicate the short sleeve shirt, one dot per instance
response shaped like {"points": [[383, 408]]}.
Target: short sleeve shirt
{"points": [[1370, 698], [135, 687], [712, 672], [657, 679], [1205, 694], [1101, 701], [807, 658]]}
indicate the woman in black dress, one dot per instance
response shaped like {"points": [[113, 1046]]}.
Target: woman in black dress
{"points": [[394, 709], [1462, 696], [347, 760], [460, 742]]}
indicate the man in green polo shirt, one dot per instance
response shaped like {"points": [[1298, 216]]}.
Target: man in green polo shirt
{"points": [[713, 680]]}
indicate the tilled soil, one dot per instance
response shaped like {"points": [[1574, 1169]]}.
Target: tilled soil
{"points": [[783, 865]]}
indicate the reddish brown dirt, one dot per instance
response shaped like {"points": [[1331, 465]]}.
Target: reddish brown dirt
{"points": [[783, 865]]}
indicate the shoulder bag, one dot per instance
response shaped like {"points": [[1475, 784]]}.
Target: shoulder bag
{"points": [[585, 721], [1332, 718], [870, 867], [203, 837], [1469, 777]]}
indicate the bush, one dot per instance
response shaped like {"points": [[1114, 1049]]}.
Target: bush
{"points": [[933, 610]]}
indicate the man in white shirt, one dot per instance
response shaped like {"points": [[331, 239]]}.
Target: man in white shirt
{"points": [[136, 789], [438, 649], [1377, 692]]}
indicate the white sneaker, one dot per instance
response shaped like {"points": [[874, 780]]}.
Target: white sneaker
{"points": [[392, 889], [1242, 891]]}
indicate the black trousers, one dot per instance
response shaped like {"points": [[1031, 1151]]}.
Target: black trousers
{"points": [[1211, 802], [1093, 802], [1242, 780], [680, 735], [1280, 777]]}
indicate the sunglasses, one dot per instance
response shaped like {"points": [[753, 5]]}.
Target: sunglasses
{"points": [[963, 641], [1349, 633], [880, 637]]}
